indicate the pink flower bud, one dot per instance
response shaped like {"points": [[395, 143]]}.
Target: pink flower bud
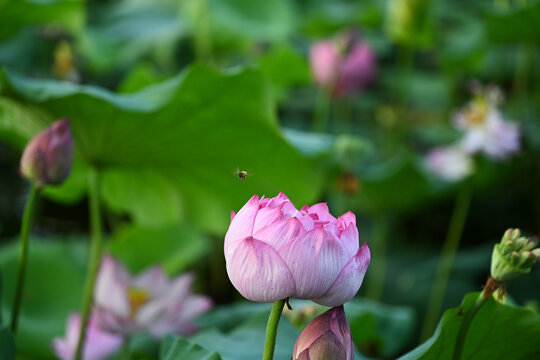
{"points": [[343, 65], [274, 251], [325, 62], [47, 157], [327, 337]]}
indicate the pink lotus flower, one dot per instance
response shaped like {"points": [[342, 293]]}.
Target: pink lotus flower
{"points": [[274, 251], [344, 65], [98, 344], [149, 302], [47, 157], [327, 337], [450, 163]]}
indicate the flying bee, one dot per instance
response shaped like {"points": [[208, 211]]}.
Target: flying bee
{"points": [[242, 174]]}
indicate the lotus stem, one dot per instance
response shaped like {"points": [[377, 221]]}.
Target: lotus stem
{"points": [[23, 257], [95, 255], [451, 244], [271, 329]]}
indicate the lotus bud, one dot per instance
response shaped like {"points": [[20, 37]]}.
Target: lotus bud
{"points": [[513, 256], [48, 156], [274, 251], [327, 337], [343, 65]]}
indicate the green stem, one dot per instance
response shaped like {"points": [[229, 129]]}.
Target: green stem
{"points": [[202, 35], [451, 244], [377, 271], [467, 320], [95, 254], [25, 231], [125, 348], [523, 69], [345, 115], [405, 62], [322, 112], [271, 329]]}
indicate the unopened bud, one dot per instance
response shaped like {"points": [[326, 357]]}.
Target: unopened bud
{"points": [[513, 256], [519, 243], [529, 258], [508, 234], [327, 337], [343, 65], [47, 157], [531, 244]]}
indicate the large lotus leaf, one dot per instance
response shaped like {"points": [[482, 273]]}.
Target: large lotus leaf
{"points": [[227, 317], [246, 341], [497, 332], [177, 348], [285, 66], [263, 20], [63, 14], [174, 247], [398, 184], [18, 123], [7, 345], [515, 26], [380, 330], [122, 32], [53, 289], [170, 151]]}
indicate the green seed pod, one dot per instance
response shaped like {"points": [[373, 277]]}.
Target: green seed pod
{"points": [[513, 256]]}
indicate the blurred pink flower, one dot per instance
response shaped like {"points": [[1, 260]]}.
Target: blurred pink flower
{"points": [[274, 251], [149, 302], [343, 65], [325, 61], [486, 130], [98, 344], [47, 157], [450, 163], [327, 337], [494, 136]]}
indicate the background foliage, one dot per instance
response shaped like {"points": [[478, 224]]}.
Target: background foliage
{"points": [[169, 99]]}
